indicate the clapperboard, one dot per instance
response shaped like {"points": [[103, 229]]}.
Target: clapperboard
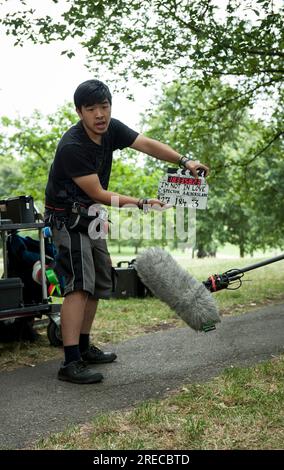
{"points": [[181, 188]]}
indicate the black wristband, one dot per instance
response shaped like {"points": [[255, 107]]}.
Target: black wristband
{"points": [[182, 161], [142, 201]]}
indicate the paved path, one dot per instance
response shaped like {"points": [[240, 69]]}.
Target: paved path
{"points": [[34, 403]]}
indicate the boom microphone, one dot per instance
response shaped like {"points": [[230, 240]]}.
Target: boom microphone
{"points": [[173, 285]]}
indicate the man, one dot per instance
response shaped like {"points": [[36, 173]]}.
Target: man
{"points": [[78, 178]]}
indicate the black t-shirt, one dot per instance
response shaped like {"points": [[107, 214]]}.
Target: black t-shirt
{"points": [[78, 155]]}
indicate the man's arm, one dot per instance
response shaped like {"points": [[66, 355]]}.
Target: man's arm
{"points": [[91, 185], [161, 151]]}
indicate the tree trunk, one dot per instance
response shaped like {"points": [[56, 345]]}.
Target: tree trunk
{"points": [[242, 251]]}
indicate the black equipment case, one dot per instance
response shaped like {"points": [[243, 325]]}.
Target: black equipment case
{"points": [[127, 283], [11, 293], [20, 210]]}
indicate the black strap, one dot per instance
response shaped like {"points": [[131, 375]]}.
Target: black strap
{"points": [[75, 209]]}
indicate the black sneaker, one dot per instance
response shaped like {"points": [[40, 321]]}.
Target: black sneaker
{"points": [[94, 355], [78, 373]]}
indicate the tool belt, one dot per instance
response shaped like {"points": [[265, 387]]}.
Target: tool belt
{"points": [[77, 218]]}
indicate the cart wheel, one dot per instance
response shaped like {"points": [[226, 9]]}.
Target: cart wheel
{"points": [[54, 334]]}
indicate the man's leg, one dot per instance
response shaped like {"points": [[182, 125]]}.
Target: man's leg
{"points": [[89, 315], [90, 353], [73, 255], [72, 317], [103, 287]]}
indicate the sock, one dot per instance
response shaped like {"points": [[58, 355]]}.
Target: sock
{"points": [[84, 342], [72, 353]]}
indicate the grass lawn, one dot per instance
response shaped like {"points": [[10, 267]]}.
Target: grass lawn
{"points": [[118, 320], [241, 409]]}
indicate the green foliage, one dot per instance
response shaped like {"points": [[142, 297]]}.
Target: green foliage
{"points": [[189, 38], [246, 195], [246, 178], [130, 178], [28, 146], [10, 178], [244, 39]]}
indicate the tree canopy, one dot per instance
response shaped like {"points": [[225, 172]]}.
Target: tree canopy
{"points": [[245, 204], [27, 148], [221, 57], [246, 194], [242, 40]]}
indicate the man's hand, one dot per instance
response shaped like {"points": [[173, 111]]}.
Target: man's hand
{"points": [[194, 165]]}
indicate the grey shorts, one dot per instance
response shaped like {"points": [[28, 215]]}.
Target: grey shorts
{"points": [[82, 263]]}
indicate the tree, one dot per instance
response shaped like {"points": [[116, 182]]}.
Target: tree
{"points": [[239, 210], [225, 38], [30, 144], [134, 180], [10, 178]]}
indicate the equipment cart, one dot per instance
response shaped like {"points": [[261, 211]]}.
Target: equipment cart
{"points": [[12, 289]]}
